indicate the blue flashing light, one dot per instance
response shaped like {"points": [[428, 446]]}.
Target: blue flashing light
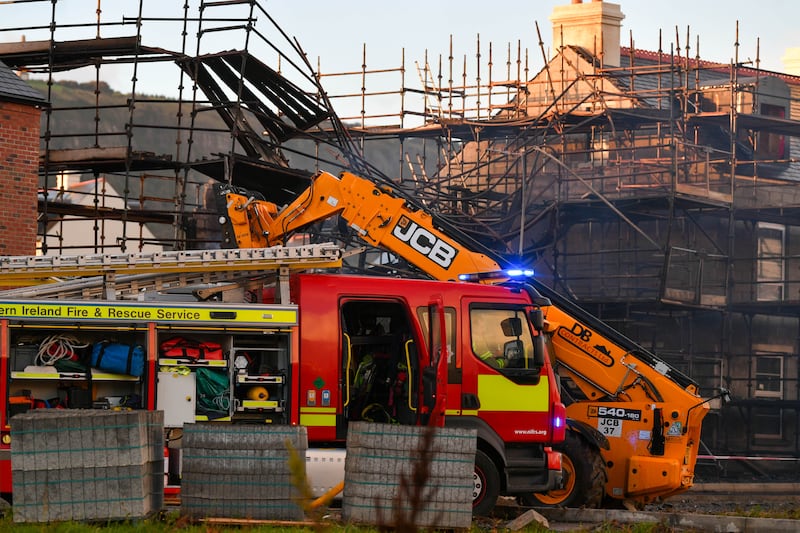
{"points": [[512, 273], [558, 422], [519, 273]]}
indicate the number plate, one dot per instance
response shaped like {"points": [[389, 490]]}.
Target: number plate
{"points": [[610, 427]]}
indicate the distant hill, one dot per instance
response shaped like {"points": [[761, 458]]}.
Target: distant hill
{"points": [[73, 126], [83, 117]]}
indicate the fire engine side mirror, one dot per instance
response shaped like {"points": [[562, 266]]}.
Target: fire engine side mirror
{"points": [[537, 319], [512, 327]]}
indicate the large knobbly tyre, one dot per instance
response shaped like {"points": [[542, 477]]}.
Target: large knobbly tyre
{"points": [[486, 485], [584, 477]]}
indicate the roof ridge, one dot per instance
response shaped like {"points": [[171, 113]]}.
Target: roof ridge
{"points": [[14, 88], [625, 51]]}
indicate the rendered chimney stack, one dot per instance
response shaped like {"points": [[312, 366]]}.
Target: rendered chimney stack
{"points": [[594, 26], [791, 61]]}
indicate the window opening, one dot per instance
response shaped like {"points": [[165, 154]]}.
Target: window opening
{"points": [[770, 261]]}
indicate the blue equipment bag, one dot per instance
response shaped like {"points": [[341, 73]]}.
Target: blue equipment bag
{"points": [[118, 358]]}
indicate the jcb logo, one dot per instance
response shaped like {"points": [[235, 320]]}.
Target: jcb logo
{"points": [[425, 242]]}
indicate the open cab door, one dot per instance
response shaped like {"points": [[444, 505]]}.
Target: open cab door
{"points": [[434, 373]]}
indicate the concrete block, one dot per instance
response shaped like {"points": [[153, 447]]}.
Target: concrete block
{"points": [[105, 489], [79, 455], [98, 436], [117, 446], [71, 485], [19, 442], [90, 493], [60, 439], [88, 445], [112, 479]]}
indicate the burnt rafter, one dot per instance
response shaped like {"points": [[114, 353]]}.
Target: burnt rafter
{"points": [[302, 110], [268, 119], [57, 210], [280, 107], [748, 121], [221, 104], [69, 55], [281, 184]]}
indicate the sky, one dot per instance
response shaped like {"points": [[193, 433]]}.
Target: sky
{"points": [[333, 33], [337, 29]]}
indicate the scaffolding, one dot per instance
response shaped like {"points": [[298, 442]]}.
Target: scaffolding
{"points": [[230, 114], [660, 194]]}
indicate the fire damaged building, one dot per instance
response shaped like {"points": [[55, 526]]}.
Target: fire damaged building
{"points": [[657, 189], [660, 192]]}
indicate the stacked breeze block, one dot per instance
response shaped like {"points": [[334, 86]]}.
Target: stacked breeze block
{"points": [[241, 471], [378, 482], [84, 464]]}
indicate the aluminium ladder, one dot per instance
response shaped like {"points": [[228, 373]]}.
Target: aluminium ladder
{"points": [[111, 276]]}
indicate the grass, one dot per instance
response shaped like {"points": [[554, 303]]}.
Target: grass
{"points": [[173, 523], [169, 523], [790, 512]]}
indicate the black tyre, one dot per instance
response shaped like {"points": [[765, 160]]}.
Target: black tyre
{"points": [[584, 477], [486, 485]]}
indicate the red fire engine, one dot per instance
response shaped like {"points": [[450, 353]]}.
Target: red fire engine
{"points": [[327, 349]]}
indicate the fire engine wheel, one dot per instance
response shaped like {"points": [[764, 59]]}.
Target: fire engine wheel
{"points": [[486, 485], [584, 477]]}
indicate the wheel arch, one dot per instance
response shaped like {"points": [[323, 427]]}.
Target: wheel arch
{"points": [[489, 442], [589, 434], [585, 474]]}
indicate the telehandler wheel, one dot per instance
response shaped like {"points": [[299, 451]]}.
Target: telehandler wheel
{"points": [[584, 477], [486, 487]]}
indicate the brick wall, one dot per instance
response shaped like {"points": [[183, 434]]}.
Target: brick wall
{"points": [[19, 166]]}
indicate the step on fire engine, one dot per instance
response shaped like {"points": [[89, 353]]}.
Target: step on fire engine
{"points": [[254, 336]]}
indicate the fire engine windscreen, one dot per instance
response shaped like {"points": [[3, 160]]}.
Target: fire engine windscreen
{"points": [[501, 338]]}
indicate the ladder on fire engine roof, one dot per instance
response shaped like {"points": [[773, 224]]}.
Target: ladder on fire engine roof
{"points": [[111, 276]]}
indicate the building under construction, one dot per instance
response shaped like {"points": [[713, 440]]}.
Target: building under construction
{"points": [[656, 189]]}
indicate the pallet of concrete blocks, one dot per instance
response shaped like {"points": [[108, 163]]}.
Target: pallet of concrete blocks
{"points": [[87, 465], [380, 487], [241, 471]]}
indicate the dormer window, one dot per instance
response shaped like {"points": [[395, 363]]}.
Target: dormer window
{"points": [[771, 145]]}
